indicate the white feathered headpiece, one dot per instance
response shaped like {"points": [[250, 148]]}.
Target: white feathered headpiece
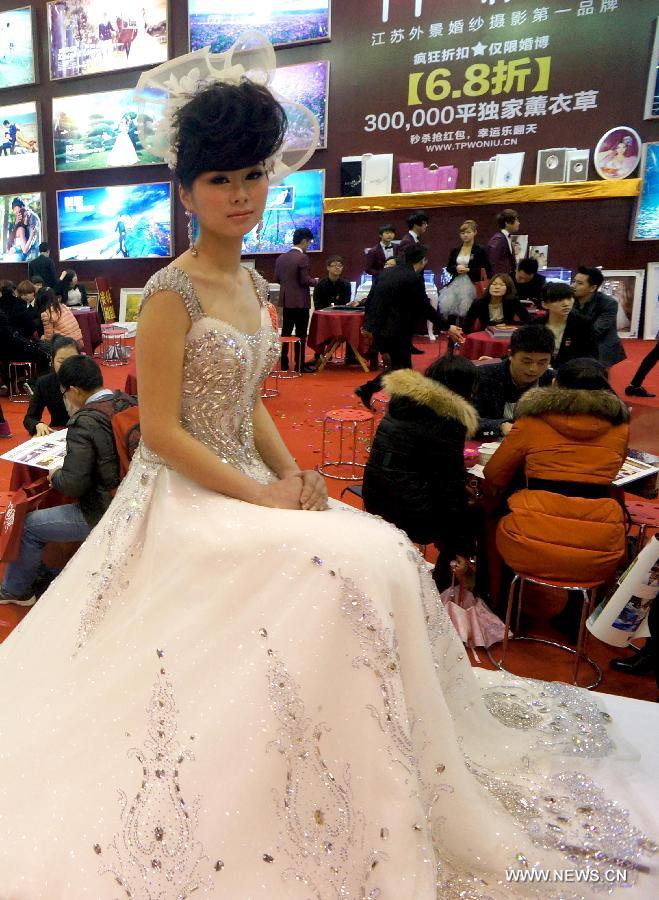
{"points": [[162, 91]]}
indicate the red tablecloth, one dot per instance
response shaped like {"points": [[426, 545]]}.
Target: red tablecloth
{"points": [[131, 378], [327, 325], [481, 343], [90, 326]]}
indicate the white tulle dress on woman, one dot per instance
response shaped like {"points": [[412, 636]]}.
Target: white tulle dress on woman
{"points": [[214, 697]]}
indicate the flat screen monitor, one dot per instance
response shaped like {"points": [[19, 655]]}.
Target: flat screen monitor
{"points": [[21, 226], [307, 84], [16, 47], [296, 203], [217, 23], [556, 273], [98, 131], [121, 222], [20, 140], [90, 36]]}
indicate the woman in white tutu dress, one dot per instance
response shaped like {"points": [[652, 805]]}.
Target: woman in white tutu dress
{"points": [[467, 264], [233, 689]]}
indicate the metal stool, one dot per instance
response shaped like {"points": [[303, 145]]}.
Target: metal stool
{"points": [[268, 392], [19, 371], [644, 515], [114, 351], [588, 592], [348, 424], [292, 371]]}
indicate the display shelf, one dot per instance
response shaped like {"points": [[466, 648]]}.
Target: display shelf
{"points": [[528, 193]]}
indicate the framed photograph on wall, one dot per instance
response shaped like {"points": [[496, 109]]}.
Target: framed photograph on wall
{"points": [[17, 47], [306, 83], [217, 23], [626, 286], [651, 318], [90, 36], [617, 153], [22, 226], [129, 304], [645, 223], [520, 244], [98, 131], [652, 95], [132, 221], [20, 140], [295, 203]]}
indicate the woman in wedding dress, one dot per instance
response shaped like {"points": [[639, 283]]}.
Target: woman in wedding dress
{"points": [[234, 689], [123, 152]]}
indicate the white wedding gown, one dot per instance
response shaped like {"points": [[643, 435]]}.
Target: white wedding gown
{"points": [[215, 697]]}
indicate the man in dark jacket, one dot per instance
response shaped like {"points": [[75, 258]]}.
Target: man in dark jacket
{"points": [[292, 273], [501, 384], [90, 472], [395, 303], [602, 311], [499, 247], [44, 267]]}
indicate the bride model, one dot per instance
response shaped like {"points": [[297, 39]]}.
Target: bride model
{"points": [[233, 689]]}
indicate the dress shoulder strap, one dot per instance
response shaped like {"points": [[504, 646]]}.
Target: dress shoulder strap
{"points": [[260, 286], [176, 280]]}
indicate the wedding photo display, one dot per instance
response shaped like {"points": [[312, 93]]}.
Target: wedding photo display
{"points": [[98, 131], [89, 36], [21, 227], [645, 226], [125, 221], [16, 48], [305, 84], [296, 203], [217, 23], [19, 140]]}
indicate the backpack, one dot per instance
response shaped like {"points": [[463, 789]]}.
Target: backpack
{"points": [[127, 434]]}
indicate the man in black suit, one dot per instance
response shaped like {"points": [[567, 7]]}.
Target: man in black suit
{"points": [[529, 284], [573, 334], [417, 224], [292, 273], [501, 384], [333, 290], [43, 266], [602, 312], [396, 302], [500, 248], [377, 256]]}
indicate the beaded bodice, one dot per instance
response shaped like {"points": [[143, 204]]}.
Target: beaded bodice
{"points": [[223, 369]]}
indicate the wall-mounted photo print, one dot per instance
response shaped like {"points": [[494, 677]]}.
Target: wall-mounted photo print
{"points": [[645, 223], [217, 23], [21, 227], [89, 36], [98, 131], [16, 47], [120, 222], [20, 140], [295, 203], [652, 95], [306, 84], [617, 153]]}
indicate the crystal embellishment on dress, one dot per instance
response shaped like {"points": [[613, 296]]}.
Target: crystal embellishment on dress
{"points": [[155, 853], [323, 833]]}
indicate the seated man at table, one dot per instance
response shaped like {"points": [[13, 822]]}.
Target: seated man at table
{"points": [[333, 290], [502, 384], [90, 472], [398, 299], [529, 284]]}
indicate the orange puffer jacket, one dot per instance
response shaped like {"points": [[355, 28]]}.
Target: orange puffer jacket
{"points": [[563, 435]]}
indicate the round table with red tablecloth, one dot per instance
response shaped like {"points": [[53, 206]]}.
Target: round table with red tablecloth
{"points": [[481, 343], [90, 326], [329, 329]]}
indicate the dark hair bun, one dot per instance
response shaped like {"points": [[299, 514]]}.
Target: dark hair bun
{"points": [[227, 127]]}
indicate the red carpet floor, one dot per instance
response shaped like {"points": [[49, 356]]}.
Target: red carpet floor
{"points": [[298, 412]]}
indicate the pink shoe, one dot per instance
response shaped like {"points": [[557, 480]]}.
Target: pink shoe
{"points": [[5, 431]]}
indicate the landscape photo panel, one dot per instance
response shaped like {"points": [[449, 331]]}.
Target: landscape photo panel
{"points": [[306, 84], [295, 203], [16, 47], [217, 23]]}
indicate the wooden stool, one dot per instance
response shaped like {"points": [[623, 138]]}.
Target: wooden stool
{"points": [[292, 372], [588, 591], [19, 371], [351, 425], [114, 351], [268, 392]]}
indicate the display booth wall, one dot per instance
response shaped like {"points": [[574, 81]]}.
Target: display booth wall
{"points": [[564, 73]]}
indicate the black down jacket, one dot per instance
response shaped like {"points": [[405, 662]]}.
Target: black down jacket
{"points": [[415, 475]]}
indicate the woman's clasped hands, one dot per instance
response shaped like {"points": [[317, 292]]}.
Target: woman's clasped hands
{"points": [[300, 490]]}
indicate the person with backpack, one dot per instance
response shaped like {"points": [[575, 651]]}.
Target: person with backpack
{"points": [[89, 472]]}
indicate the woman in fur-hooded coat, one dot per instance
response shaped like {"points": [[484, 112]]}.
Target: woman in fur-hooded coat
{"points": [[566, 525], [415, 476]]}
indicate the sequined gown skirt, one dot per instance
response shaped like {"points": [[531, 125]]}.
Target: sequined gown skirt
{"points": [[219, 698]]}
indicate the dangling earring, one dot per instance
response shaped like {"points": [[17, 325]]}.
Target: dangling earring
{"points": [[193, 249]]}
